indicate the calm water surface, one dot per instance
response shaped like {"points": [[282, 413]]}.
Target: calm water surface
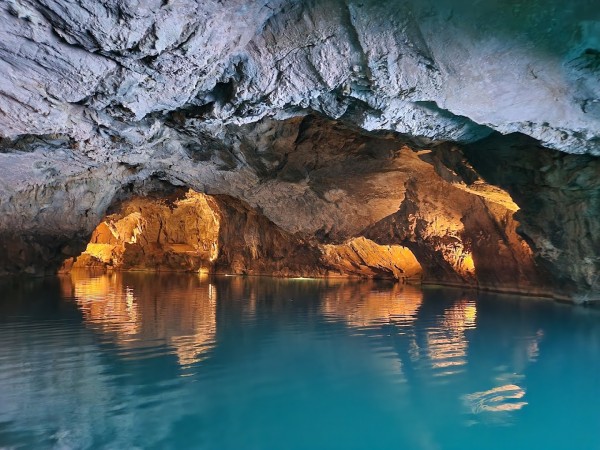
{"points": [[179, 361]]}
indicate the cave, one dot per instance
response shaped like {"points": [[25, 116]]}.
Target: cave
{"points": [[315, 197], [346, 190], [185, 231]]}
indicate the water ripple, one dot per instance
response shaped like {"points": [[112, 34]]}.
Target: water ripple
{"points": [[139, 361]]}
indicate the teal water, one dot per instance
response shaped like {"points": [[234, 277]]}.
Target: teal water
{"points": [[180, 361]]}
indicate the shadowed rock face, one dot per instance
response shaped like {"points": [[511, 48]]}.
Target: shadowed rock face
{"points": [[356, 134], [559, 195]]}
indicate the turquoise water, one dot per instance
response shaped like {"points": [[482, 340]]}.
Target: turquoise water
{"points": [[180, 361]]}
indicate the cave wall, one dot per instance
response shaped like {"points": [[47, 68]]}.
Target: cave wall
{"points": [[49, 217], [328, 199], [333, 120], [559, 195], [185, 231], [463, 236]]}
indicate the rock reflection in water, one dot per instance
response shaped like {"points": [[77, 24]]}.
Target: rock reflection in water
{"points": [[133, 313], [507, 395], [361, 305], [291, 363], [447, 342], [413, 336]]}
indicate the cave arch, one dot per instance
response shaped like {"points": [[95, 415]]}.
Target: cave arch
{"points": [[183, 230], [326, 183]]}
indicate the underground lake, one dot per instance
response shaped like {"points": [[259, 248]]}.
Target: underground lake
{"points": [[137, 360]]}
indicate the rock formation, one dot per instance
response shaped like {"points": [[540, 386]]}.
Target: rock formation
{"points": [[199, 233], [372, 138]]}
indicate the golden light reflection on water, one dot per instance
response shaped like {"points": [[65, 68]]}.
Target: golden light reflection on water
{"points": [[364, 306], [507, 395], [101, 303], [447, 343], [398, 304], [143, 312], [404, 336], [133, 313], [499, 399]]}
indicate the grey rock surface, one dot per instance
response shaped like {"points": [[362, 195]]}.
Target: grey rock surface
{"points": [[440, 70]]}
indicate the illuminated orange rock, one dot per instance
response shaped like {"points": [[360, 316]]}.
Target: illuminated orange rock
{"points": [[197, 232], [363, 257], [460, 229], [332, 202], [151, 233]]}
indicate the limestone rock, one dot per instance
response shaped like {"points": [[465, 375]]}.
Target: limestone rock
{"points": [[443, 71], [193, 232], [309, 196], [317, 117]]}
